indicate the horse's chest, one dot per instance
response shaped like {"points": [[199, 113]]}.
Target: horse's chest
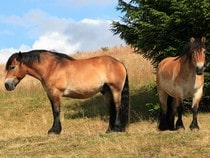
{"points": [[188, 90]]}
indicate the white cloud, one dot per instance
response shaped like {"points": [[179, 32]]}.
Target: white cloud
{"points": [[84, 35], [55, 41], [6, 53], [62, 34]]}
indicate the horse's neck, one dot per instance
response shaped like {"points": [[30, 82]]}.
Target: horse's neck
{"points": [[186, 66], [36, 71]]}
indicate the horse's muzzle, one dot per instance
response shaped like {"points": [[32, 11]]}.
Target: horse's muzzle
{"points": [[200, 70], [10, 84]]}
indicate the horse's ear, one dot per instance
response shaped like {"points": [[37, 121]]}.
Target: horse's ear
{"points": [[19, 54], [203, 39], [192, 39]]}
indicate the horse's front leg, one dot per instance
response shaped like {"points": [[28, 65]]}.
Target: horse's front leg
{"points": [[180, 109], [179, 122], [195, 105], [56, 127], [194, 123]]}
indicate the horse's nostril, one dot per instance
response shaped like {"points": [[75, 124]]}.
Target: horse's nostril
{"points": [[6, 86]]}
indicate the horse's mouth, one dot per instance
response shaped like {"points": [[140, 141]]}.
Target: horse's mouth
{"points": [[200, 70], [9, 87], [199, 73], [10, 84]]}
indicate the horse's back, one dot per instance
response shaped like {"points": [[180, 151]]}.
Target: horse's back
{"points": [[106, 65]]}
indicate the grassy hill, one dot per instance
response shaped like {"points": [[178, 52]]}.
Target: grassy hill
{"points": [[25, 117]]}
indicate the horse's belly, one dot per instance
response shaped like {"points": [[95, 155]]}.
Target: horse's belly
{"points": [[80, 94], [183, 92]]}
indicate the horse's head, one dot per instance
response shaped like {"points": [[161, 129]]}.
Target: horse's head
{"points": [[15, 71], [197, 50]]}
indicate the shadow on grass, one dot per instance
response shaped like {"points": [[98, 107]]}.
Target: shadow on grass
{"points": [[141, 102], [95, 107]]}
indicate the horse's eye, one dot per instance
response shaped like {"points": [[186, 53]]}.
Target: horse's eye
{"points": [[12, 67]]}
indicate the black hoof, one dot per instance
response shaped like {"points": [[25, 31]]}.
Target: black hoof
{"points": [[172, 129], [194, 125], [180, 127], [179, 124], [163, 127], [117, 129], [54, 131], [109, 130], [194, 128], [163, 123]]}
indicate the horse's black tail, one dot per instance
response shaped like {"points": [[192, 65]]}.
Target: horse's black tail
{"points": [[125, 106]]}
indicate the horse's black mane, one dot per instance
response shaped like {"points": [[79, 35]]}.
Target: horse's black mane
{"points": [[34, 55], [190, 47]]}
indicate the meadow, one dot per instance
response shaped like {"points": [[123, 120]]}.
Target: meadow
{"points": [[25, 117]]}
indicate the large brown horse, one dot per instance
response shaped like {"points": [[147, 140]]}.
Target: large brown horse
{"points": [[63, 76], [179, 78]]}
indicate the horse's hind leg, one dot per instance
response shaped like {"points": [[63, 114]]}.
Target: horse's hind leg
{"points": [[116, 93], [163, 122], [171, 104], [180, 109], [112, 97], [108, 98]]}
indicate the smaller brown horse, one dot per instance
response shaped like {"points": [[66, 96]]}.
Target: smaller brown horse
{"points": [[63, 76], [179, 78]]}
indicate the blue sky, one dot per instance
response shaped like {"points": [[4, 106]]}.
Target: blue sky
{"points": [[66, 26]]}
